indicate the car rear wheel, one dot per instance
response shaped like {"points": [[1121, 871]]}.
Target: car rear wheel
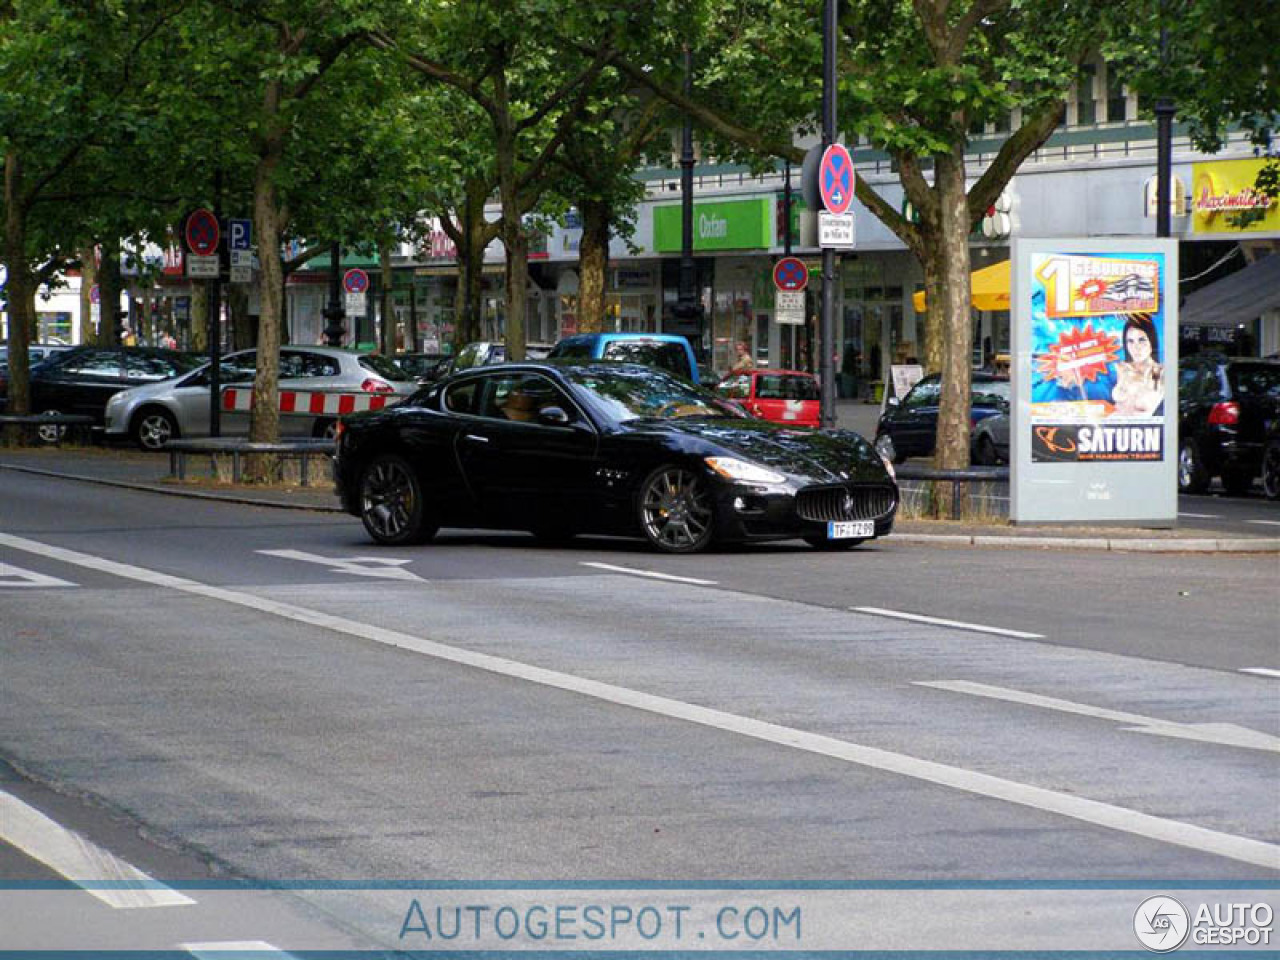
{"points": [[1192, 476], [676, 515], [154, 428], [392, 506], [1271, 471], [325, 429]]}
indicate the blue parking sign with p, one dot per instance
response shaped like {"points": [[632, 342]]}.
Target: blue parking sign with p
{"points": [[241, 232]]}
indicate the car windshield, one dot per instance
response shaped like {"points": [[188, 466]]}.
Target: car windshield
{"points": [[633, 393], [772, 386], [653, 353], [384, 367]]}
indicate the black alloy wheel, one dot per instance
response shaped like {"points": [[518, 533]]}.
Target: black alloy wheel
{"points": [[153, 428], [1271, 470], [50, 433], [1192, 476], [676, 514], [392, 506]]}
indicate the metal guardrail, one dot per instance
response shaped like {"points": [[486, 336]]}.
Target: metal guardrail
{"points": [[960, 481], [213, 447]]}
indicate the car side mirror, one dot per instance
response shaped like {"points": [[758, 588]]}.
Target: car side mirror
{"points": [[1004, 406], [554, 417], [893, 402]]}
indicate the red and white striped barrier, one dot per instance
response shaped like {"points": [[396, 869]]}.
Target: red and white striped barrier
{"points": [[314, 404]]}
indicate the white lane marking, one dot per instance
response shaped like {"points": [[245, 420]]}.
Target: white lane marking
{"points": [[1265, 523], [1201, 516], [384, 568], [243, 949], [101, 873], [1244, 849], [652, 574], [1261, 671], [11, 576], [1226, 734], [939, 622]]}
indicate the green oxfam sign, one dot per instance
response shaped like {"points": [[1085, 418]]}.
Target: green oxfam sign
{"points": [[728, 225]]}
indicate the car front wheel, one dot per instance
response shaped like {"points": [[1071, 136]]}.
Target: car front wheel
{"points": [[985, 454], [1192, 476], [50, 433], [392, 506], [153, 429], [676, 514]]}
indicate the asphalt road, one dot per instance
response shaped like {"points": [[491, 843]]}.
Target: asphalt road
{"points": [[233, 691]]}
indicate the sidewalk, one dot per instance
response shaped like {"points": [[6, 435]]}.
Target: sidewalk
{"points": [[136, 470]]}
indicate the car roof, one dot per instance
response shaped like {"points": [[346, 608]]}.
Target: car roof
{"points": [[779, 371]]}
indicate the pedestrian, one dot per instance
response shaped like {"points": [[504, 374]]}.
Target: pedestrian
{"points": [[744, 361]]}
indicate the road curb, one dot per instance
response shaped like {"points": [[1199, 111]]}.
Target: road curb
{"points": [[1145, 545], [170, 492]]}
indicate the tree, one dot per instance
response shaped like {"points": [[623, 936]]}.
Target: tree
{"points": [[529, 65], [915, 77]]}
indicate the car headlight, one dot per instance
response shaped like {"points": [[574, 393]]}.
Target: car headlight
{"points": [[888, 465], [731, 468]]}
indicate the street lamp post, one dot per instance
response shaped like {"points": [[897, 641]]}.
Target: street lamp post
{"points": [[1164, 111], [826, 336], [335, 313]]}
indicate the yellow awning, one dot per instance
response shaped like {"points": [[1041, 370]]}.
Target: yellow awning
{"points": [[990, 289]]}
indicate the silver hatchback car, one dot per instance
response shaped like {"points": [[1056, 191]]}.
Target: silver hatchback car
{"points": [[317, 386]]}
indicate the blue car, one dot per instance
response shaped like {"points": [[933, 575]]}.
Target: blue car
{"points": [[666, 351]]}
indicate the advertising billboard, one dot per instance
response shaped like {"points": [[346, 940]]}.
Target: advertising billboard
{"points": [[1095, 339]]}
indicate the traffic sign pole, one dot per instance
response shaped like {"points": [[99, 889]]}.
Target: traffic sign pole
{"points": [[826, 339]]}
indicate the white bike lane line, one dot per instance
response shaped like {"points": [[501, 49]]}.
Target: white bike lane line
{"points": [[99, 872], [1097, 813]]}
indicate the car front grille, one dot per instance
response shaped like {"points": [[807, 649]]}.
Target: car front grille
{"points": [[854, 501]]}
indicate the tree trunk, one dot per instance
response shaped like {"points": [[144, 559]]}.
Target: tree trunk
{"points": [[109, 289], [264, 422], [199, 342], [953, 250], [593, 261], [244, 332], [19, 291], [933, 319], [389, 325], [89, 331]]}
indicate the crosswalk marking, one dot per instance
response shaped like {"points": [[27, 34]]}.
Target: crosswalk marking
{"points": [[101, 873]]}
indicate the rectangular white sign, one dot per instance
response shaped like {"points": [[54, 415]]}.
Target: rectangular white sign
{"points": [[789, 306], [355, 304], [1093, 433], [836, 230], [202, 268]]}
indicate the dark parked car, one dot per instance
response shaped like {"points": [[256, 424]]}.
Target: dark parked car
{"points": [[561, 448], [424, 367], [989, 441], [81, 380], [1225, 408], [909, 428]]}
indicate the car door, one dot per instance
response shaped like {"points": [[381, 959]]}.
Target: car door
{"points": [[80, 384], [523, 471]]}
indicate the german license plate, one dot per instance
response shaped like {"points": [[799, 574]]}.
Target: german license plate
{"points": [[851, 529]]}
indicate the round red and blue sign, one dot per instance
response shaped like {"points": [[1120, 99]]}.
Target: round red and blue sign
{"points": [[203, 233], [355, 280], [790, 274], [835, 179]]}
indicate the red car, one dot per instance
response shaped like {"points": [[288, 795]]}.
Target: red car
{"points": [[783, 396]]}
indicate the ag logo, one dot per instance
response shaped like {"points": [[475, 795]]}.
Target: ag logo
{"points": [[1161, 924]]}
